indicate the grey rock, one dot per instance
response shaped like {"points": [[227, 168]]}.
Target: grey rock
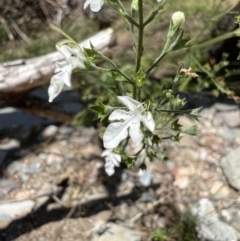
{"points": [[49, 131], [84, 136], [31, 170], [12, 144], [14, 167], [231, 167], [226, 133], [219, 190], [65, 130], [146, 177], [5, 219], [231, 119], [114, 232], [209, 227], [15, 210], [224, 107], [54, 168], [24, 177], [7, 185]]}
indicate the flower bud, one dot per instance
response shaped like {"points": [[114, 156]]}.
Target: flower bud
{"points": [[178, 18], [134, 6]]}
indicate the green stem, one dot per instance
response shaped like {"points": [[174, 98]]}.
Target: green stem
{"points": [[116, 68], [120, 89], [134, 92], [137, 91], [138, 95], [220, 38], [140, 36]]}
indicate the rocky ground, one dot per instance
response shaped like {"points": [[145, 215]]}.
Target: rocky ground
{"points": [[57, 189]]}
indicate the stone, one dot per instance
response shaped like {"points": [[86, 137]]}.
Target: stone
{"points": [[12, 210], [114, 232], [14, 167], [230, 165], [181, 182], [226, 215], [11, 144], [219, 190], [208, 113], [226, 133], [224, 107], [65, 130], [7, 185], [54, 158], [209, 227], [5, 219], [231, 119], [49, 131], [213, 231], [31, 169], [146, 177]]}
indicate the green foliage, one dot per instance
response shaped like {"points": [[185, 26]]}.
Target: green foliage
{"points": [[159, 235]]}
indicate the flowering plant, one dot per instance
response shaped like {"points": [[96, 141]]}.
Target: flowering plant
{"points": [[145, 112]]}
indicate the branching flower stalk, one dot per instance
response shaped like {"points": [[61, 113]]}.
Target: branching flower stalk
{"points": [[134, 134]]}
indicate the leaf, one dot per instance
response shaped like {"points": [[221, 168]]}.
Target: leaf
{"points": [[175, 126], [102, 111], [192, 130], [179, 42], [62, 32]]}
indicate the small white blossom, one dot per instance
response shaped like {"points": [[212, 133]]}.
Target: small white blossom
{"points": [[73, 59], [112, 160], [95, 5], [178, 18], [130, 122]]}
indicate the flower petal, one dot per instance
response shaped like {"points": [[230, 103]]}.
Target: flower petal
{"points": [[72, 55], [56, 86], [120, 115], [86, 3], [135, 132], [129, 102], [116, 159], [148, 121], [115, 133], [95, 5], [65, 70], [106, 152], [109, 168], [112, 160]]}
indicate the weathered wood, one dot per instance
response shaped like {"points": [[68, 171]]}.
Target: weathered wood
{"points": [[22, 75]]}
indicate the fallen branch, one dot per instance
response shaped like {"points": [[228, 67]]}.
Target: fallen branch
{"points": [[23, 75]]}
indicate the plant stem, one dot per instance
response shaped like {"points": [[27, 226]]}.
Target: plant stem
{"points": [[138, 97], [140, 36], [137, 91], [220, 38], [117, 69]]}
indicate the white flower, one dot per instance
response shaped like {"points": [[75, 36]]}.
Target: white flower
{"points": [[178, 18], [73, 59], [95, 5], [129, 123], [111, 160]]}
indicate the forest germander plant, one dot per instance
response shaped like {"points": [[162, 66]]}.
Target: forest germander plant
{"points": [[140, 111]]}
